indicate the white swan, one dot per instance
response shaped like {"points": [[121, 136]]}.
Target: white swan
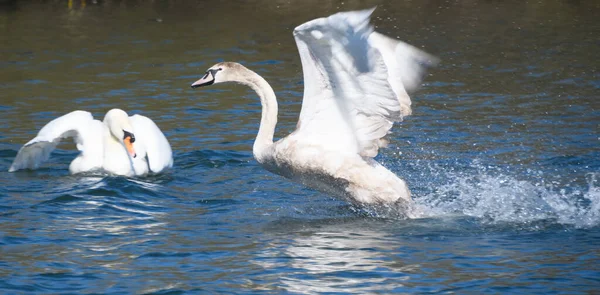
{"points": [[119, 144], [355, 86]]}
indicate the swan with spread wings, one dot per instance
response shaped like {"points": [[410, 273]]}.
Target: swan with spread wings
{"points": [[356, 84], [120, 144]]}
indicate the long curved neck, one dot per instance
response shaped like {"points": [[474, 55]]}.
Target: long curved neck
{"points": [[116, 159], [264, 138]]}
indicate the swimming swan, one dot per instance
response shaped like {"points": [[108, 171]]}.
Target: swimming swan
{"points": [[119, 144], [355, 87]]}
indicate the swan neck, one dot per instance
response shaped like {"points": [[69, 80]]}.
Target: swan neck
{"points": [[116, 157], [264, 138], [112, 145]]}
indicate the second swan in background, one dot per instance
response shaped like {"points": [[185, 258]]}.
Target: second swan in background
{"points": [[119, 144], [356, 84]]}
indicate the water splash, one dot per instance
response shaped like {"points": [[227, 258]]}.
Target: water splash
{"points": [[496, 196]]}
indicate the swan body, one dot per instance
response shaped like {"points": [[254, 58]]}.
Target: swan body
{"points": [[356, 84], [119, 144]]}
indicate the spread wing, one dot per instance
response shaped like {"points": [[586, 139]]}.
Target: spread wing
{"points": [[79, 125], [151, 142], [355, 82]]}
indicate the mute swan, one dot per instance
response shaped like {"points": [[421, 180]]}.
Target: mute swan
{"points": [[119, 144], [355, 87]]}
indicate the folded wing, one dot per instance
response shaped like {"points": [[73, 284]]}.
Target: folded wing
{"points": [[151, 142], [356, 82]]}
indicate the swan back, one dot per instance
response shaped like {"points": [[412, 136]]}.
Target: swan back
{"points": [[152, 147]]}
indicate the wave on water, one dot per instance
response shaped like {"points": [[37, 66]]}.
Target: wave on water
{"points": [[211, 159], [495, 196], [108, 205], [99, 191]]}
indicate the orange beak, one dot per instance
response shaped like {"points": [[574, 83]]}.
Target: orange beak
{"points": [[129, 146]]}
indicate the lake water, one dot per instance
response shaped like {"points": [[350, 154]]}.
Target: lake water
{"points": [[502, 153]]}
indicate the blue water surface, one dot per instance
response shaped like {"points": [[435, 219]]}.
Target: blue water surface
{"points": [[501, 155]]}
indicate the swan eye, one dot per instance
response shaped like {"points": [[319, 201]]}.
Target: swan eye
{"points": [[213, 72], [130, 135]]}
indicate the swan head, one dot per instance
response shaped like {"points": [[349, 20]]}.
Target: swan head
{"points": [[120, 127], [222, 72]]}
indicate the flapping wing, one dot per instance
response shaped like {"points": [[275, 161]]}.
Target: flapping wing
{"points": [[355, 82], [35, 152], [405, 65], [150, 141]]}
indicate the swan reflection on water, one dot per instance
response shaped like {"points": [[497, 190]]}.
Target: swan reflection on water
{"points": [[320, 259]]}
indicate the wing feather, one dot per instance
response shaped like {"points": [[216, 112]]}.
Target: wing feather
{"points": [[152, 142], [35, 152], [405, 64], [355, 82]]}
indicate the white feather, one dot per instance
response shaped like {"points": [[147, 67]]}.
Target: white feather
{"points": [[79, 125], [99, 149], [356, 82], [355, 88], [152, 143]]}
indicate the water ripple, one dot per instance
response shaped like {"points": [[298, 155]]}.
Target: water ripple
{"points": [[500, 154]]}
